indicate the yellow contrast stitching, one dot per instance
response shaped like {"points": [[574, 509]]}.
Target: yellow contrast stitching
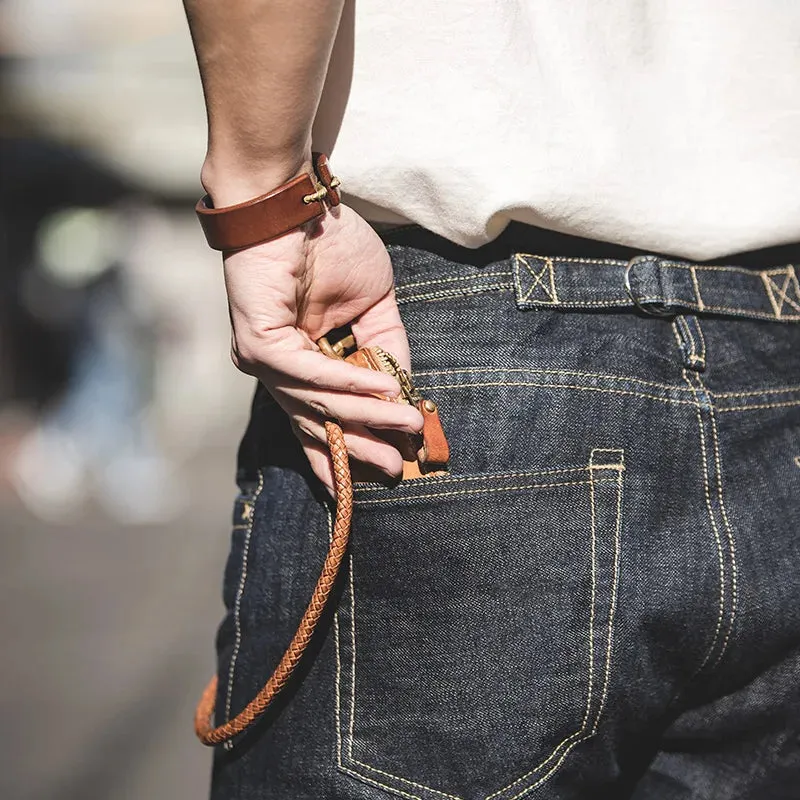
{"points": [[720, 557], [561, 386], [380, 785], [532, 371], [463, 291], [700, 304], [539, 277], [612, 614], [728, 533], [787, 404], [337, 687], [684, 326], [759, 392], [237, 605], [790, 281], [352, 659], [353, 705], [573, 739], [453, 279], [477, 477], [488, 490], [612, 262], [577, 735]]}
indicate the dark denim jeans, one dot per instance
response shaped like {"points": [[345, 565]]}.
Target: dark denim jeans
{"points": [[602, 597]]}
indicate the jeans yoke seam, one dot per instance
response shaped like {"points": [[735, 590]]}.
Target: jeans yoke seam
{"points": [[237, 622]]}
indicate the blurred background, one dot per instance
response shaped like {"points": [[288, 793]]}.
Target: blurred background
{"points": [[119, 408]]}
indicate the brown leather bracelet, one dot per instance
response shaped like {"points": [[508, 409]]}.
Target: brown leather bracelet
{"points": [[274, 214]]}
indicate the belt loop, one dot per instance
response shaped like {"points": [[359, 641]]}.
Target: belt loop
{"points": [[653, 301], [691, 341]]}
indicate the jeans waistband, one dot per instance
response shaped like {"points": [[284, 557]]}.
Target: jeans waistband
{"points": [[557, 271]]}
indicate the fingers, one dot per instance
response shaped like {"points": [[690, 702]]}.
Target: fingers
{"points": [[382, 326], [286, 355], [361, 445], [371, 412]]}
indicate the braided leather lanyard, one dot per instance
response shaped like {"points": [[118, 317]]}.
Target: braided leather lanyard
{"points": [[434, 450]]}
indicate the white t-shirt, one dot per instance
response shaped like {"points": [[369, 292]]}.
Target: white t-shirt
{"points": [[668, 125]]}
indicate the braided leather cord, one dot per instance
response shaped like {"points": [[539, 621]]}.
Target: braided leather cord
{"points": [[203, 726]]}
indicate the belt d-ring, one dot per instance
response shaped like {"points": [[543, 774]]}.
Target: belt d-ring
{"points": [[654, 310]]}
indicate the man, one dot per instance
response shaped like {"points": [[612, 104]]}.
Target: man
{"points": [[600, 598]]}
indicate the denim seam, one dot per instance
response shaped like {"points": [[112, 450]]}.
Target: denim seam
{"points": [[717, 538], [787, 404], [452, 279], [581, 734], [449, 479], [464, 291], [569, 742], [488, 490], [698, 297], [353, 714], [560, 386], [695, 356], [728, 533], [759, 392], [614, 587], [575, 259], [237, 608], [622, 378]]}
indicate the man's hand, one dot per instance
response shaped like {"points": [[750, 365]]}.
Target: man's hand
{"points": [[283, 296]]}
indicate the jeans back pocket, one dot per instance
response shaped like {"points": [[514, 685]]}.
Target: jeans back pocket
{"points": [[475, 634]]}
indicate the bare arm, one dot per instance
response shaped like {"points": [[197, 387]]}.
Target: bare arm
{"points": [[263, 64]]}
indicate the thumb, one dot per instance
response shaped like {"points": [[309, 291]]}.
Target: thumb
{"points": [[381, 326]]}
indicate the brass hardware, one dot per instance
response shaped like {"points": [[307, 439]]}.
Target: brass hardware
{"points": [[338, 349], [317, 196], [430, 406]]}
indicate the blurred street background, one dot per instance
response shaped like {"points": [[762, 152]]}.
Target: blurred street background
{"points": [[119, 408]]}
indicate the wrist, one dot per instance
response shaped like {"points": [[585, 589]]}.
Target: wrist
{"points": [[229, 181]]}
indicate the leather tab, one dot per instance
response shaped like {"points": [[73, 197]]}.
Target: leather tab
{"points": [[435, 449], [326, 178]]}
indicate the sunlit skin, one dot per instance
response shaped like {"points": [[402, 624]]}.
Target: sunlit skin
{"points": [[263, 64]]}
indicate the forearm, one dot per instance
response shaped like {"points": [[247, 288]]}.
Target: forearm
{"points": [[263, 65]]}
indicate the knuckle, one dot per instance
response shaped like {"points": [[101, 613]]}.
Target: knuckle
{"points": [[320, 407]]}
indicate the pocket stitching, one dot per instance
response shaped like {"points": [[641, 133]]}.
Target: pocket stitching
{"points": [[577, 736], [482, 491]]}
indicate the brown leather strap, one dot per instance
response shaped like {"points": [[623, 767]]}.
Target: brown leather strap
{"points": [[271, 215], [338, 545]]}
